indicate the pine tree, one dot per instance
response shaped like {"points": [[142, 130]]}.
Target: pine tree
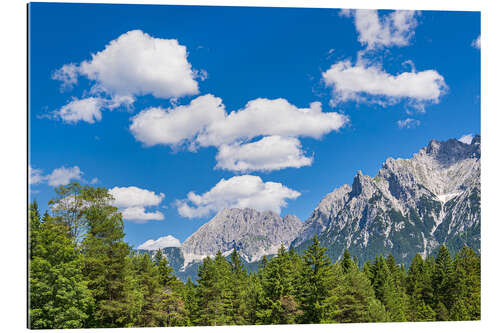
{"points": [[352, 299], [279, 298], [33, 227], [107, 266], [148, 283], [347, 263], [419, 289], [316, 283], [442, 283], [239, 290], [166, 273], [189, 298], [214, 292], [466, 286]]}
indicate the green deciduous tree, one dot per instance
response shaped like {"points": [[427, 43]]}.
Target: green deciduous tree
{"points": [[59, 297]]}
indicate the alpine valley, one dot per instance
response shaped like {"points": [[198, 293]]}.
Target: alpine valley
{"points": [[411, 206]]}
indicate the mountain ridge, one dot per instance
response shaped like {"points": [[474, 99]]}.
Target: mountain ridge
{"points": [[412, 205]]}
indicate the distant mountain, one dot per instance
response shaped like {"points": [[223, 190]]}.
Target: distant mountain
{"points": [[252, 233], [411, 206]]}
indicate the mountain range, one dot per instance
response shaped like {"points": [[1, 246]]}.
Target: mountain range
{"points": [[411, 206]]}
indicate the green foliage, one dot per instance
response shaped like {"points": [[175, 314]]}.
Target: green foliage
{"points": [[316, 282], [59, 297], [83, 274], [278, 300]]}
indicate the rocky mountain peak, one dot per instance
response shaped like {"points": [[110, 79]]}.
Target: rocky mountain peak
{"points": [[451, 151], [253, 233], [411, 205]]}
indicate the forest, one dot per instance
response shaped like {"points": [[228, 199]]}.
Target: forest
{"points": [[82, 274]]}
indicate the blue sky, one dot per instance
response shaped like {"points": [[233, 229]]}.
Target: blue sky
{"points": [[137, 99]]}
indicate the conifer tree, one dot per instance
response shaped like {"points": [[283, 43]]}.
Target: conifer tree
{"points": [[442, 283], [419, 289], [239, 289], [279, 298], [166, 273], [213, 292], [352, 299], [466, 286], [35, 222], [316, 279], [107, 266]]}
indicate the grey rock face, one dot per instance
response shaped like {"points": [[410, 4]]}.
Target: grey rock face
{"points": [[252, 233], [411, 206]]}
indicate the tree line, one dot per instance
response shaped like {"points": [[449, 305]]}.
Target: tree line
{"points": [[83, 274]]}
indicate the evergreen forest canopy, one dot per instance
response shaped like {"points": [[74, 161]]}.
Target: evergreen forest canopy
{"points": [[83, 274]]}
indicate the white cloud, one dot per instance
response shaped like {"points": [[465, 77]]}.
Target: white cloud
{"points": [[477, 42], [132, 201], [160, 243], [408, 123], [395, 28], [94, 180], [466, 139], [269, 153], [68, 74], [134, 196], [262, 116], [35, 176], [355, 82], [88, 110], [139, 214], [176, 125], [242, 192], [136, 64], [204, 122], [63, 176]]}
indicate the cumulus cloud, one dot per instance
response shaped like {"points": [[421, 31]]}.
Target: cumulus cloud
{"points": [[366, 81], [408, 123], [240, 191], [269, 153], [88, 110], [466, 138], [68, 74], [35, 176], [139, 214], [393, 29], [160, 243], [132, 202], [355, 82], [59, 176], [204, 122], [177, 125], [134, 64], [263, 116], [477, 42], [134, 196], [63, 176]]}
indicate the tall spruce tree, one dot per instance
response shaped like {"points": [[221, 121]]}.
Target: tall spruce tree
{"points": [[419, 289], [316, 283], [279, 303], [442, 283], [466, 286]]}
